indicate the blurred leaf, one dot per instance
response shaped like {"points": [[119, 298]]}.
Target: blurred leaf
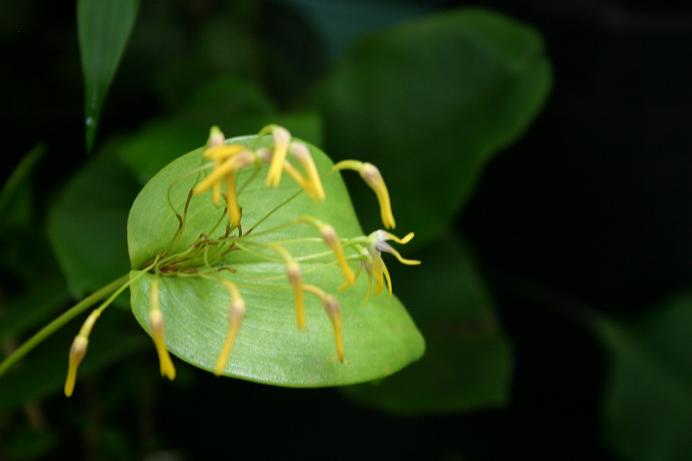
{"points": [[230, 48], [238, 107], [648, 402], [339, 22], [468, 360], [117, 444], [24, 252], [430, 103], [87, 224], [235, 105], [42, 373], [26, 444], [33, 306], [379, 338], [15, 195], [293, 56], [303, 125], [104, 27]]}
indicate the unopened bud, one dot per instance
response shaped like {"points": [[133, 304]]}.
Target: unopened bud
{"points": [[296, 281], [333, 309], [216, 137], [77, 352]]}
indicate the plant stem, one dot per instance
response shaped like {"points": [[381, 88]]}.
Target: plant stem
{"points": [[273, 210], [65, 317]]}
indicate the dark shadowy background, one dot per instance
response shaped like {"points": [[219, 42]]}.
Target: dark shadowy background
{"points": [[591, 202]]}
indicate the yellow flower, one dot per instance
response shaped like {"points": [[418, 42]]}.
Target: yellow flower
{"points": [[227, 170], [282, 139], [377, 268], [157, 333], [78, 350], [372, 177], [313, 183], [237, 312], [77, 353], [333, 310]]}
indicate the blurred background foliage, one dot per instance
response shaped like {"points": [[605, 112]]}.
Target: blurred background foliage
{"points": [[550, 216]]}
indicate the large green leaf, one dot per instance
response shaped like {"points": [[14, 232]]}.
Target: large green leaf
{"points": [[104, 27], [430, 102], [87, 224], [379, 336], [468, 361], [648, 402]]}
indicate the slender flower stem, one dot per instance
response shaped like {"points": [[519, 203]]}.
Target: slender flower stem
{"points": [[274, 210], [65, 317]]}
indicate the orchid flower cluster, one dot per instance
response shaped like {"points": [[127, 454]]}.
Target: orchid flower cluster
{"points": [[207, 257]]}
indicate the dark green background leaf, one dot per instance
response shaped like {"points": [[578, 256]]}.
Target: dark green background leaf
{"points": [[363, 17], [468, 359], [87, 224], [648, 401], [236, 106], [430, 102]]}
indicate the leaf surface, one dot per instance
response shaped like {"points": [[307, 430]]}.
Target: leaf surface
{"points": [[648, 401], [379, 336]]}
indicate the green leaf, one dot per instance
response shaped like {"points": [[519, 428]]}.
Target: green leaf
{"points": [[648, 401], [104, 27], [87, 224], [379, 337], [364, 17], [430, 103], [468, 360]]}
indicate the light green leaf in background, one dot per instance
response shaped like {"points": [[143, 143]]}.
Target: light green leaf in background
{"points": [[104, 27], [430, 103], [648, 400], [379, 337], [468, 359]]}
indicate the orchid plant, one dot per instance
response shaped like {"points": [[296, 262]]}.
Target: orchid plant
{"points": [[233, 243]]}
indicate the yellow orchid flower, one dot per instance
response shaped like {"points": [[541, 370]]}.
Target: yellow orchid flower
{"points": [[373, 178], [237, 312]]}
